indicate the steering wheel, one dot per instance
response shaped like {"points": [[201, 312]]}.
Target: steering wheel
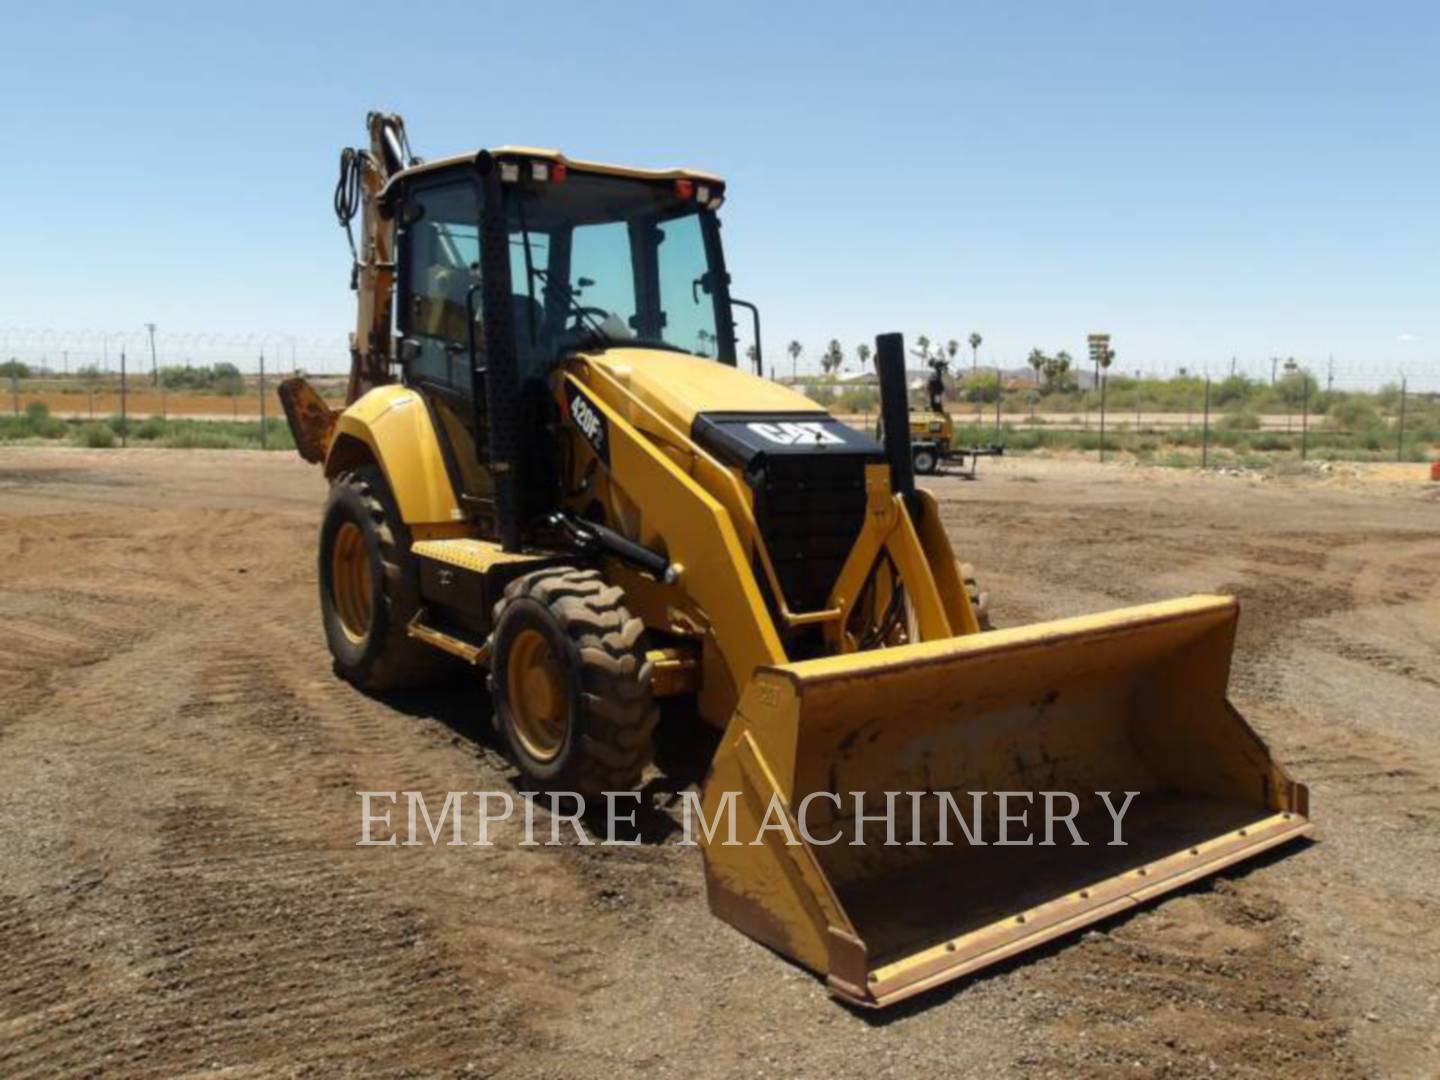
{"points": [[599, 314]]}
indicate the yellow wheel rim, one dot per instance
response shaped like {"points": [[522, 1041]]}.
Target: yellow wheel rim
{"points": [[537, 694], [350, 586]]}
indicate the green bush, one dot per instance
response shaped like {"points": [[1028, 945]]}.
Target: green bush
{"points": [[983, 386], [38, 423], [1233, 390], [1353, 414], [858, 399], [95, 436], [820, 393], [1240, 420], [197, 438], [153, 428]]}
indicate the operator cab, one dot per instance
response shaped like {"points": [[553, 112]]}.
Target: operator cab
{"points": [[596, 257], [508, 261]]}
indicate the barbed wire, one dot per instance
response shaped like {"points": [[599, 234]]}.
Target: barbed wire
{"points": [[1421, 373], [68, 350]]}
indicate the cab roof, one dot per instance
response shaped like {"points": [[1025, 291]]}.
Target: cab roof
{"points": [[534, 153]]}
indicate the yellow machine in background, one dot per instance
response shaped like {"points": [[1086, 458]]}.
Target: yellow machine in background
{"points": [[551, 469]]}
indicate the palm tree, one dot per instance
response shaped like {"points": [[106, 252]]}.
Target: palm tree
{"points": [[951, 348], [1036, 361], [863, 352], [975, 340], [923, 347], [794, 349], [1062, 363], [833, 358]]}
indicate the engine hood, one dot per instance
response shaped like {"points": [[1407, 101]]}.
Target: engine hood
{"points": [[680, 387]]}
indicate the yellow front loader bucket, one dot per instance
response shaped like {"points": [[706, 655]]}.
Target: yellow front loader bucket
{"points": [[1127, 701]]}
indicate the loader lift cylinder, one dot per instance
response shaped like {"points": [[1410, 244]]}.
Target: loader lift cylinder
{"points": [[895, 414]]}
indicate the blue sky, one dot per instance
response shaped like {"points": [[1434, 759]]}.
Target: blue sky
{"points": [[1201, 180]]}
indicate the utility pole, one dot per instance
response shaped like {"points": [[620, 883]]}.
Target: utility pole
{"points": [[154, 364], [1291, 367], [1274, 369], [1400, 442], [262, 399], [1233, 361], [124, 423], [1103, 355], [1305, 418], [1137, 401], [1205, 441], [1330, 375]]}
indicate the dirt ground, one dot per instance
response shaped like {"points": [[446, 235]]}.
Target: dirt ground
{"points": [[180, 890]]}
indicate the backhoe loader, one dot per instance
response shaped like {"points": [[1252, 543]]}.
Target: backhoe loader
{"points": [[551, 468]]}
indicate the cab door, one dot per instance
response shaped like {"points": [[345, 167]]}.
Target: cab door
{"points": [[438, 312]]}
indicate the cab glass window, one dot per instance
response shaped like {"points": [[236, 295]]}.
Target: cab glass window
{"points": [[440, 256]]}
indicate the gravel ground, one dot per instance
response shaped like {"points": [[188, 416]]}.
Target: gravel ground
{"points": [[180, 890]]}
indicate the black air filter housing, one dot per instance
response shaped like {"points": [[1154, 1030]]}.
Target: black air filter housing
{"points": [[807, 472]]}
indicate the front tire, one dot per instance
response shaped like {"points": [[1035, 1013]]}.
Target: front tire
{"points": [[570, 682], [369, 587]]}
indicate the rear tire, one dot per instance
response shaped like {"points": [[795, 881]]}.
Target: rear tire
{"points": [[370, 588], [979, 601], [570, 682], [926, 461]]}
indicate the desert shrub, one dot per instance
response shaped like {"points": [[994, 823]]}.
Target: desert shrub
{"points": [[1232, 390], [983, 386], [37, 422], [1240, 420], [95, 436], [858, 400], [201, 437], [820, 393], [1353, 414]]}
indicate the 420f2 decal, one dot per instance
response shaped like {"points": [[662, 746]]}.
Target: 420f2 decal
{"points": [[589, 420]]}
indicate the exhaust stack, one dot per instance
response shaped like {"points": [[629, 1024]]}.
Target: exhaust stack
{"points": [[895, 414]]}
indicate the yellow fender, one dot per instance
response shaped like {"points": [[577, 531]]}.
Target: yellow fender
{"points": [[392, 427]]}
